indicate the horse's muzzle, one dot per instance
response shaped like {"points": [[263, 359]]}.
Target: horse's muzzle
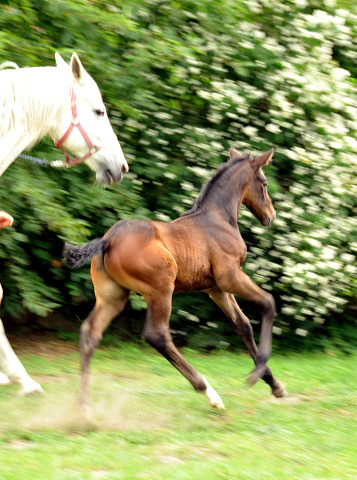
{"points": [[107, 176], [268, 220]]}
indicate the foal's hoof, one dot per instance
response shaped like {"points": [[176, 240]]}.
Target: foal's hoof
{"points": [[279, 392], [253, 377], [84, 410], [217, 403], [213, 398]]}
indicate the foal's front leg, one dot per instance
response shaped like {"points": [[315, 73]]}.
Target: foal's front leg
{"points": [[238, 283], [157, 334], [229, 306]]}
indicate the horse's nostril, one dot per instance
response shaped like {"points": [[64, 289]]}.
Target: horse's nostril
{"points": [[125, 168]]}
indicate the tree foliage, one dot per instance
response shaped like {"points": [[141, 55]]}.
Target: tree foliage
{"points": [[183, 81]]}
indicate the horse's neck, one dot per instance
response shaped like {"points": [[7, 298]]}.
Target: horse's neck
{"points": [[11, 146], [33, 98], [226, 198]]}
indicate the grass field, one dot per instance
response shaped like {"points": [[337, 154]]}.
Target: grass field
{"points": [[148, 423]]}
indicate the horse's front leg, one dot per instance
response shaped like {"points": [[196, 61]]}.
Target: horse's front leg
{"points": [[13, 369], [238, 283], [4, 380], [157, 334], [229, 306]]}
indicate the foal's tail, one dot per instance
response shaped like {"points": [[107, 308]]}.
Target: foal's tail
{"points": [[75, 257]]}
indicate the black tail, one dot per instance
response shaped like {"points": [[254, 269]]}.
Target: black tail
{"points": [[75, 256]]}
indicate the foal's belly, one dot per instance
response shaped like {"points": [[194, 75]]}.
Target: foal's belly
{"points": [[193, 278], [194, 286]]}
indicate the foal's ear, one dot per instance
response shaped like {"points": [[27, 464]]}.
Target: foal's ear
{"points": [[77, 68], [59, 61], [233, 153], [263, 159]]}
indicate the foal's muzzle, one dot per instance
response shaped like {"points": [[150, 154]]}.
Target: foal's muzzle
{"points": [[268, 220]]}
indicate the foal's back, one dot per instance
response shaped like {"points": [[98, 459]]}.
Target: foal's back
{"points": [[184, 254], [163, 255]]}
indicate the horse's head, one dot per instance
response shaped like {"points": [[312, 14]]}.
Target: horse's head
{"points": [[83, 127], [256, 196]]}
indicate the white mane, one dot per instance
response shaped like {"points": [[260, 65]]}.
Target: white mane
{"points": [[18, 108]]}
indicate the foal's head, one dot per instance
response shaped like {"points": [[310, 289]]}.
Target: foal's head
{"points": [[256, 196]]}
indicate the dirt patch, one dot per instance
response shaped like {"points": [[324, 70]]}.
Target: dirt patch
{"points": [[112, 407], [41, 344], [115, 404], [20, 444]]}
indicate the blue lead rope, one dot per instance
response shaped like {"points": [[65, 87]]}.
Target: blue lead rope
{"points": [[46, 163]]}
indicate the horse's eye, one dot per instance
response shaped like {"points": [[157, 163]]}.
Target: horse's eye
{"points": [[99, 113]]}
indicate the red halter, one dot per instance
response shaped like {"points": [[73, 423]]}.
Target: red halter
{"points": [[76, 123]]}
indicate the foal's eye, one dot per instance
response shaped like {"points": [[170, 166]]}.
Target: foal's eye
{"points": [[99, 113]]}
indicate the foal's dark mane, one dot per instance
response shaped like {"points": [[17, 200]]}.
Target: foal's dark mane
{"points": [[207, 188]]}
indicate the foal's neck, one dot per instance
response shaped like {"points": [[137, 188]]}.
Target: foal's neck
{"points": [[226, 194]]}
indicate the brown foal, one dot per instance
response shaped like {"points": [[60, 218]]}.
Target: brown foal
{"points": [[201, 250]]}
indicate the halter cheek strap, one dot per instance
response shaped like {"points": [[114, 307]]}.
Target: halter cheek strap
{"points": [[76, 123]]}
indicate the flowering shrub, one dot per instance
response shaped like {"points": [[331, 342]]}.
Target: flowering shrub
{"points": [[183, 82]]}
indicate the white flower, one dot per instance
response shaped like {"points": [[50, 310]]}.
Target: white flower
{"points": [[301, 332], [250, 131], [273, 128]]}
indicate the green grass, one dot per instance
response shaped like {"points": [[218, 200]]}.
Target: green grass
{"points": [[148, 423]]}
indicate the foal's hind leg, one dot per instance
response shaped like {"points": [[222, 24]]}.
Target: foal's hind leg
{"points": [[229, 306], [111, 300], [157, 334]]}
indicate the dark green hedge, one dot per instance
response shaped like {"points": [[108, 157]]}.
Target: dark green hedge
{"points": [[183, 81]]}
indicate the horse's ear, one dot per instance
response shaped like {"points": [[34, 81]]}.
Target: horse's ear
{"points": [[263, 159], [59, 61], [77, 68], [233, 153]]}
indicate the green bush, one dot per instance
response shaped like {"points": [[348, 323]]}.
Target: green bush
{"points": [[183, 82]]}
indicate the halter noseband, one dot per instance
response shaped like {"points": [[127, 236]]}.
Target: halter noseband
{"points": [[76, 123]]}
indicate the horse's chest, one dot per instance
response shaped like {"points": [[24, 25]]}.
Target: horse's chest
{"points": [[241, 253], [229, 250]]}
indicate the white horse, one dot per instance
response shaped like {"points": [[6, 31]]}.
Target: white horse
{"points": [[65, 103]]}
